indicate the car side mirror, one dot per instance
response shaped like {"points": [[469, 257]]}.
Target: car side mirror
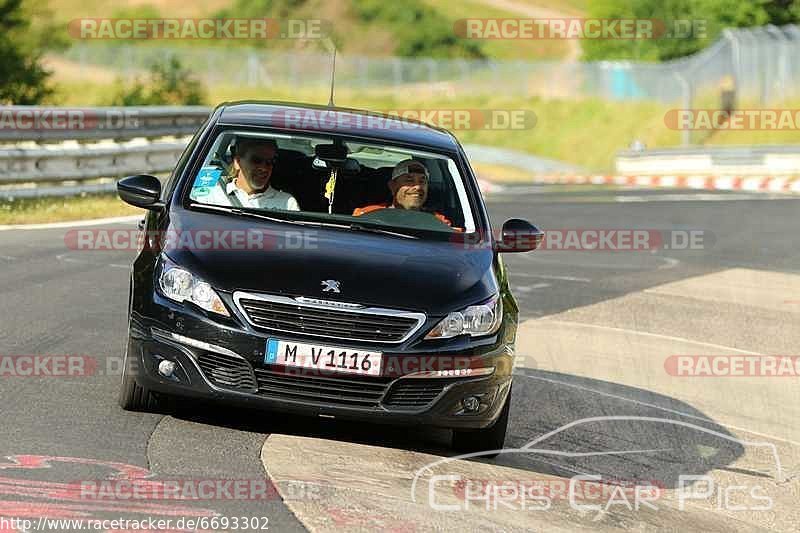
{"points": [[519, 236], [141, 190]]}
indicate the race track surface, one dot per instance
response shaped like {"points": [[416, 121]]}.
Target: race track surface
{"points": [[608, 385]]}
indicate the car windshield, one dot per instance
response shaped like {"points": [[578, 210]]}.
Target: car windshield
{"points": [[327, 179]]}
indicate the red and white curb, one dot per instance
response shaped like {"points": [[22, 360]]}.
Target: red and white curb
{"points": [[714, 183], [488, 187]]}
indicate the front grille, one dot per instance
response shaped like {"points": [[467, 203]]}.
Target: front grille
{"points": [[353, 391], [415, 392], [289, 316], [227, 371]]}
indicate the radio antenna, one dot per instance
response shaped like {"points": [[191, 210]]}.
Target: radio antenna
{"points": [[333, 78]]}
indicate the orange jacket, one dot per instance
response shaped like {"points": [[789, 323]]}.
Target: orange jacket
{"points": [[370, 208]]}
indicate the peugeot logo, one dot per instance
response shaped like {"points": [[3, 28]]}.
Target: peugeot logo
{"points": [[330, 285]]}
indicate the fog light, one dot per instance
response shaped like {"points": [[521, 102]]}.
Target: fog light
{"points": [[471, 403], [166, 368]]}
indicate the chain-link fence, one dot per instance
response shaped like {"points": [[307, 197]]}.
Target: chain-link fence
{"points": [[763, 64]]}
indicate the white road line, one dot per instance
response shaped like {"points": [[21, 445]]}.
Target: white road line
{"points": [[647, 334], [702, 197], [667, 262], [73, 224], [546, 276], [529, 288], [647, 404], [670, 262], [654, 406], [64, 258]]}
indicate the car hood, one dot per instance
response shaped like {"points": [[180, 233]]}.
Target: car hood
{"points": [[435, 277]]}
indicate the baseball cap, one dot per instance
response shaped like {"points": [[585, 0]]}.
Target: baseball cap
{"points": [[409, 166]]}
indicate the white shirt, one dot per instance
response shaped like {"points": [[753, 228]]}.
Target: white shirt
{"points": [[268, 199]]}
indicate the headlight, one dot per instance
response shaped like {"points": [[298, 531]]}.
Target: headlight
{"points": [[181, 285], [475, 320]]}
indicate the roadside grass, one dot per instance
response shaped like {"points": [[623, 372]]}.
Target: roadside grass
{"points": [[573, 7], [67, 10], [586, 133], [55, 209]]}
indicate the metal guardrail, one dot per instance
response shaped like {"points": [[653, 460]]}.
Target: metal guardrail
{"points": [[53, 124], [44, 165], [70, 146], [44, 168], [53, 165]]}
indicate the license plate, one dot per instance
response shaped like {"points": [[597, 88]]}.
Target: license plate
{"points": [[324, 358]]}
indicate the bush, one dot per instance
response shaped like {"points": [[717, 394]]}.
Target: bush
{"points": [[418, 28], [168, 83]]}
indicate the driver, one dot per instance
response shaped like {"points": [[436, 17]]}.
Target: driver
{"points": [[253, 162], [409, 186]]}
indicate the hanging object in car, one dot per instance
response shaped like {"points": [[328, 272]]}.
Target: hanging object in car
{"points": [[330, 188]]}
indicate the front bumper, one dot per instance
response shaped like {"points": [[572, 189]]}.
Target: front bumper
{"points": [[225, 364]]}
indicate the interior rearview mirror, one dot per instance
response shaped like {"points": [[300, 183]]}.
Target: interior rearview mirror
{"points": [[334, 154]]}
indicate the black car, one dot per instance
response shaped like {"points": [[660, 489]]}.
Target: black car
{"points": [[324, 294]]}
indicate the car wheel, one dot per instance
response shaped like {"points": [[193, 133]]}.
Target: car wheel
{"points": [[479, 440], [134, 397]]}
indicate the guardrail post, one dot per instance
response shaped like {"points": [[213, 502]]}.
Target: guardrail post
{"points": [[686, 101]]}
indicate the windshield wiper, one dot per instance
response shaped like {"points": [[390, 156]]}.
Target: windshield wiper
{"points": [[241, 212], [355, 226]]}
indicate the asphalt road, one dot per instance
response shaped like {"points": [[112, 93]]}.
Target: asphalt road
{"points": [[597, 328]]}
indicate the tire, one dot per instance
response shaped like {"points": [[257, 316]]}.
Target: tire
{"points": [[479, 440], [134, 397]]}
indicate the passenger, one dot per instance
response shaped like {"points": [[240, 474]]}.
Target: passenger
{"points": [[409, 186], [253, 162]]}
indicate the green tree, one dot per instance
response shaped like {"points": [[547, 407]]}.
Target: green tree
{"points": [[708, 18], [23, 79], [417, 28], [167, 83]]}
